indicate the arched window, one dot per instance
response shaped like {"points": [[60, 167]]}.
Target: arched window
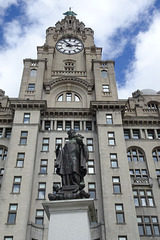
{"points": [[60, 98], [33, 73], [3, 153], [152, 106], [156, 154], [68, 97], [104, 74], [135, 154]]}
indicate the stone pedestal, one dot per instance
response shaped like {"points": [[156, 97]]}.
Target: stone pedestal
{"points": [[70, 219]]}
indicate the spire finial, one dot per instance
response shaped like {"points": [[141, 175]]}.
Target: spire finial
{"points": [[70, 13]]}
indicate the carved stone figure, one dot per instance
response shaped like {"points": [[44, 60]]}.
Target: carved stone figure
{"points": [[71, 166]]}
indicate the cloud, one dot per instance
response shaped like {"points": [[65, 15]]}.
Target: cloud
{"points": [[144, 71], [106, 17]]}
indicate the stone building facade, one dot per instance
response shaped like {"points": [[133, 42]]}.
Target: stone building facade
{"points": [[70, 86]]}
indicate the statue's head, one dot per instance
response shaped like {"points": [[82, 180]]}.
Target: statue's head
{"points": [[71, 133]]}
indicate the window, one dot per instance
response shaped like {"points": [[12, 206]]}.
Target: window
{"points": [[47, 125], [76, 125], [143, 198], [31, 87], [58, 143], [16, 184], [1, 171], [20, 159], [91, 168], [3, 153], [45, 145], [148, 225], [127, 134], [88, 125], [111, 138], [1, 132], [12, 213], [68, 97], [41, 190], [119, 213], [59, 125], [136, 134], [105, 88], [109, 119], [92, 190], [23, 137], [158, 172], [113, 160], [60, 98], [8, 132], [150, 133], [158, 133], [138, 173], [116, 185], [76, 98], [26, 118], [104, 74], [43, 166], [152, 106], [67, 125], [135, 155], [8, 238], [39, 217], [69, 66], [90, 144], [156, 154], [33, 73], [122, 238]]}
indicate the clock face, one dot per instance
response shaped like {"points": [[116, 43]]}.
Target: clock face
{"points": [[69, 45]]}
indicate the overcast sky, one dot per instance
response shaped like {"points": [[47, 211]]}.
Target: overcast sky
{"points": [[127, 30]]}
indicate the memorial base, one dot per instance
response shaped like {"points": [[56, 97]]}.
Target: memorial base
{"points": [[70, 219]]}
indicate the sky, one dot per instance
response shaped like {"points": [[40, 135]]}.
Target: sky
{"points": [[127, 30]]}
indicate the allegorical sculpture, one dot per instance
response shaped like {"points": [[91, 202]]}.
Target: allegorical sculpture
{"points": [[71, 166]]}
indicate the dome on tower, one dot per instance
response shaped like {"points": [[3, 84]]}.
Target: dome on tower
{"points": [[148, 92]]}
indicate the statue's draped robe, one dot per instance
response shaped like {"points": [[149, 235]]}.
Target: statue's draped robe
{"points": [[71, 162]]}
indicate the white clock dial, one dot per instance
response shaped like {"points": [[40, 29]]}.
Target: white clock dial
{"points": [[69, 45]]}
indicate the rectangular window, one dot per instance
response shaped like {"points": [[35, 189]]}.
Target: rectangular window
{"points": [[43, 166], [90, 144], [113, 160], [26, 118], [12, 213], [122, 238], [150, 133], [8, 238], [136, 134], [1, 132], [91, 168], [16, 184], [92, 190], [158, 172], [105, 88], [76, 125], [116, 185], [143, 198], [58, 143], [59, 125], [127, 134], [47, 125], [20, 159], [41, 190], [39, 217], [111, 138], [88, 125], [68, 97], [23, 137], [109, 119], [45, 145], [119, 213], [158, 133], [67, 125], [1, 171], [8, 132], [148, 225], [31, 87]]}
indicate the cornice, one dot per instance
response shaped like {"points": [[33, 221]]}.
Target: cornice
{"points": [[107, 105], [27, 104]]}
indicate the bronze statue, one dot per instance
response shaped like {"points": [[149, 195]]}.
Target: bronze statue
{"points": [[71, 166]]}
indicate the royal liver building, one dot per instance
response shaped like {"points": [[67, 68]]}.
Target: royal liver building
{"points": [[68, 87]]}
